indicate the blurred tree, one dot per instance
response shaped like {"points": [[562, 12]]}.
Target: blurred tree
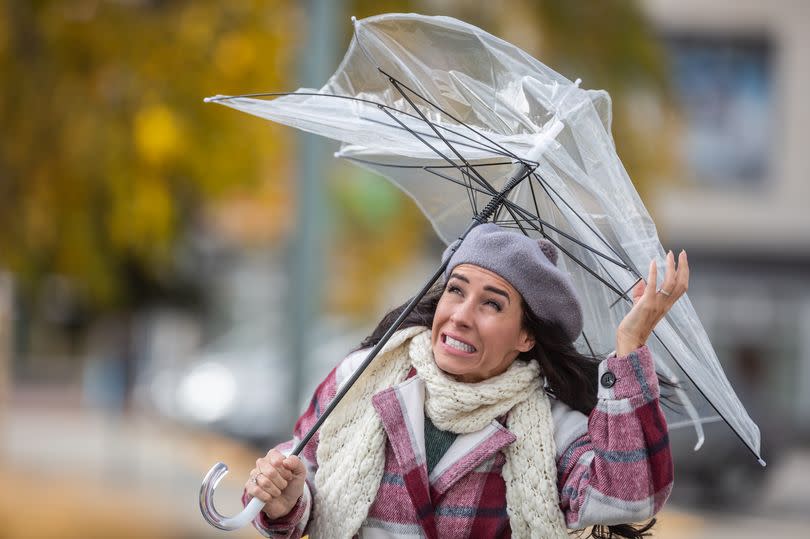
{"points": [[110, 153]]}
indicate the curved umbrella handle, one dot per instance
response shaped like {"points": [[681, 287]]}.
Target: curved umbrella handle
{"points": [[209, 484]]}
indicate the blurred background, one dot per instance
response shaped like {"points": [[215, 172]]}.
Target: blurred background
{"points": [[176, 277]]}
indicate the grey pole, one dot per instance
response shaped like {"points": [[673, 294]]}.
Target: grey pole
{"points": [[318, 60]]}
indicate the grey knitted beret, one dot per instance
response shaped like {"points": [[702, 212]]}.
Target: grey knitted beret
{"points": [[529, 265]]}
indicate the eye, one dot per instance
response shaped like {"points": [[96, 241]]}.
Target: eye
{"points": [[453, 289], [494, 304]]}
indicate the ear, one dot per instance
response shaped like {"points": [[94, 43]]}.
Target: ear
{"points": [[525, 341]]}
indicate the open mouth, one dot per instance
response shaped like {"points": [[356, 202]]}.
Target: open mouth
{"points": [[457, 344]]}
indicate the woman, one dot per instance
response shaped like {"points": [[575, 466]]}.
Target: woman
{"points": [[472, 420]]}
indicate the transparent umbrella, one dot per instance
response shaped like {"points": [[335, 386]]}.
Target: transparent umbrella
{"points": [[475, 129]]}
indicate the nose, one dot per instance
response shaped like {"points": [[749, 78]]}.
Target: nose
{"points": [[462, 314]]}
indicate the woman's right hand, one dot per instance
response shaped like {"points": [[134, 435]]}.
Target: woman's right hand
{"points": [[278, 481]]}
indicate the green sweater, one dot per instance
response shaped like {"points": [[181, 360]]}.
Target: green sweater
{"points": [[437, 442]]}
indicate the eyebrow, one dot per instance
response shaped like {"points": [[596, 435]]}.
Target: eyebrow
{"points": [[488, 288]]}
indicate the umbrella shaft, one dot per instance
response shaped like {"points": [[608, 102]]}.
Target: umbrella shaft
{"points": [[350, 382], [520, 172]]}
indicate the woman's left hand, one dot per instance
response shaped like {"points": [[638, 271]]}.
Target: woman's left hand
{"points": [[650, 305]]}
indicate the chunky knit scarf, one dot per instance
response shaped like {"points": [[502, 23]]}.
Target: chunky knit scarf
{"points": [[351, 450]]}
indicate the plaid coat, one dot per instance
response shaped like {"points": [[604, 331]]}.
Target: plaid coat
{"points": [[614, 466]]}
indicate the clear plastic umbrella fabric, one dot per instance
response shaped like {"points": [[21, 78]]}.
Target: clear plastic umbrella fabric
{"points": [[445, 111]]}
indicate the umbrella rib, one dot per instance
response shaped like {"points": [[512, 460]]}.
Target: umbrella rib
{"points": [[534, 199], [585, 267], [702, 394], [467, 179], [386, 108], [465, 172], [625, 292], [623, 264], [421, 167], [396, 84], [588, 343], [509, 208], [435, 150], [527, 215], [471, 194], [429, 169], [529, 170], [545, 185], [437, 107], [481, 191], [514, 217]]}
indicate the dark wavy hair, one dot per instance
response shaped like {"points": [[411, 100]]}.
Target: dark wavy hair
{"points": [[572, 376]]}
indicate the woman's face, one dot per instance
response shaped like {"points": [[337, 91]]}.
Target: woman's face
{"points": [[477, 330]]}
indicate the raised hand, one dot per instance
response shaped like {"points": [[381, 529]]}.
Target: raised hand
{"points": [[651, 305]]}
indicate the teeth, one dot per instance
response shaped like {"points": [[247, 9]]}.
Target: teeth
{"points": [[464, 347]]}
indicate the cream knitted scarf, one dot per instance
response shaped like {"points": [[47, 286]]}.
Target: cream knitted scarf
{"points": [[351, 450]]}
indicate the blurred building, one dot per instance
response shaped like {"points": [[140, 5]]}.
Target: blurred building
{"points": [[739, 203]]}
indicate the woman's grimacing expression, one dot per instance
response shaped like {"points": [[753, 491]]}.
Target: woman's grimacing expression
{"points": [[477, 330]]}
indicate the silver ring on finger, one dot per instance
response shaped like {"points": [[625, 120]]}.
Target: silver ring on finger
{"points": [[662, 291]]}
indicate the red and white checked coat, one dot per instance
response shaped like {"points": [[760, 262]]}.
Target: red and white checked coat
{"points": [[614, 466]]}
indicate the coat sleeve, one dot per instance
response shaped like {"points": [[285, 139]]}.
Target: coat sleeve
{"points": [[615, 466], [294, 524]]}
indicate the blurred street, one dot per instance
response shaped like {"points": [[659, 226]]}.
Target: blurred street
{"points": [[74, 473], [71, 473], [782, 509]]}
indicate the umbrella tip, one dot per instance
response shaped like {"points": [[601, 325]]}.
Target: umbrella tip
{"points": [[354, 19], [761, 462]]}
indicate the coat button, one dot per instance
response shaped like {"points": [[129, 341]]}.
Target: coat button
{"points": [[608, 379]]}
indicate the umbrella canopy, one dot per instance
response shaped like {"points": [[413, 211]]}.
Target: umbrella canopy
{"points": [[447, 111]]}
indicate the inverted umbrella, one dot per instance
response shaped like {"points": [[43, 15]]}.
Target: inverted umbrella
{"points": [[475, 129]]}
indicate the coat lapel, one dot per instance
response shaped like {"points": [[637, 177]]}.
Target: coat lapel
{"points": [[401, 410]]}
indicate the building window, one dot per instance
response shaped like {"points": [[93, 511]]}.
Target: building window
{"points": [[725, 91]]}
